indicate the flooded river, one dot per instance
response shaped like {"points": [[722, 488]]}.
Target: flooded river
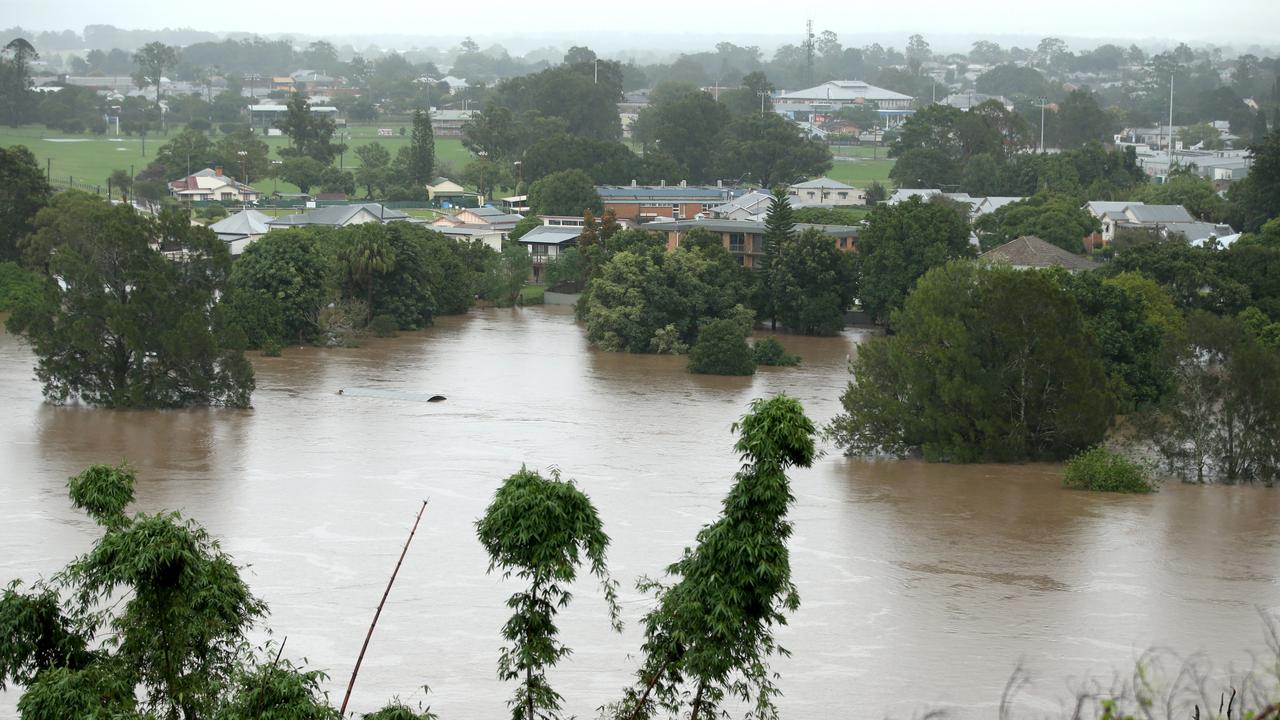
{"points": [[922, 586]]}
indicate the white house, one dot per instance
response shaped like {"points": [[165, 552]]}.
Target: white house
{"points": [[751, 206], [241, 229], [339, 216], [825, 192], [817, 104], [211, 184]]}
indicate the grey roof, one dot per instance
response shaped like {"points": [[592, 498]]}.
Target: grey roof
{"points": [[991, 203], [905, 194], [823, 182], [750, 202], [337, 215], [551, 235], [494, 216], [1101, 207], [1198, 232], [743, 226], [668, 193], [1159, 213], [844, 90], [1030, 251], [245, 222], [468, 230]]}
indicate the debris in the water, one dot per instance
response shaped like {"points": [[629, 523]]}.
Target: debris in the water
{"points": [[389, 394]]}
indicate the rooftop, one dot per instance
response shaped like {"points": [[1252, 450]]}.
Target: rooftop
{"points": [[823, 183], [847, 90], [1030, 251], [666, 192], [551, 235]]}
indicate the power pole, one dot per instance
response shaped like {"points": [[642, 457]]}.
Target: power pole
{"points": [[808, 50]]}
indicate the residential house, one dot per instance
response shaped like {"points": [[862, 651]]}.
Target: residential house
{"points": [[1163, 220], [744, 239], [993, 203], [481, 220], [820, 103], [471, 233], [447, 193], [1031, 253], [515, 204], [212, 184], [448, 123], [545, 243], [752, 206], [264, 117], [643, 203], [970, 100], [339, 216], [825, 192], [241, 229]]}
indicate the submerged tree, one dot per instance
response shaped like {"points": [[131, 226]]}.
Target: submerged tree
{"points": [[539, 529], [711, 634]]}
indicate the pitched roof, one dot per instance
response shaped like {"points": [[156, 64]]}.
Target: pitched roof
{"points": [[1158, 213], [1030, 251], [844, 90], [245, 222], [338, 215], [667, 193], [551, 235], [751, 202], [1102, 207], [823, 182], [742, 226]]}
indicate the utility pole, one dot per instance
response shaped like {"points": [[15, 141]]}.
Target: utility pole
{"points": [[1042, 104], [763, 94], [808, 49], [1171, 74], [596, 78]]}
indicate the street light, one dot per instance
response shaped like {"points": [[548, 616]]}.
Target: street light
{"points": [[275, 175], [1042, 104]]}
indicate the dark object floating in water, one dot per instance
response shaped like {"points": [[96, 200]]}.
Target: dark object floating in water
{"points": [[388, 394]]}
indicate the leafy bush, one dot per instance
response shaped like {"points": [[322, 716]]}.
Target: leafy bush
{"points": [[18, 286], [384, 326], [666, 341], [722, 349], [1103, 470], [768, 351]]}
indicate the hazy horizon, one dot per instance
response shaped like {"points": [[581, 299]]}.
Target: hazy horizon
{"points": [[948, 26]]}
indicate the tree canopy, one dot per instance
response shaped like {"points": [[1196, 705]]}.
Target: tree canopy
{"points": [[900, 243]]}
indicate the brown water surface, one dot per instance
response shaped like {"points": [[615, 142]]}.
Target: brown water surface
{"points": [[922, 586]]}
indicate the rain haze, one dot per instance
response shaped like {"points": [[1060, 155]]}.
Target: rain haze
{"points": [[949, 26]]}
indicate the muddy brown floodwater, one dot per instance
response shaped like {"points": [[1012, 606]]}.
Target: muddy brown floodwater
{"points": [[922, 586]]}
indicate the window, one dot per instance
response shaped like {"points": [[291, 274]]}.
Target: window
{"points": [[843, 194], [737, 242]]}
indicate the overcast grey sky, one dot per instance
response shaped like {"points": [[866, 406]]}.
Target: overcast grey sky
{"points": [[1228, 22]]}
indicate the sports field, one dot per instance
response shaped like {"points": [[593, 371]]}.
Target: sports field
{"points": [[91, 158], [859, 165]]}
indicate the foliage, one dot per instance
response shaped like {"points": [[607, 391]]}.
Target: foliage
{"points": [[1189, 190], [278, 691], [284, 269], [303, 171], [568, 267], [129, 326], [310, 134], [710, 634], [384, 325], [1257, 197], [641, 288], [986, 363], [1195, 277], [541, 530], [19, 287], [1103, 470], [722, 349], [666, 341], [523, 226], [768, 149], [568, 192], [23, 191], [1080, 121], [768, 351], [506, 275], [152, 60], [899, 244], [779, 229], [397, 710], [817, 283], [421, 151], [1222, 419], [828, 216], [1057, 219]]}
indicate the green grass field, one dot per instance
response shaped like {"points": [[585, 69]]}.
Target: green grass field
{"points": [[91, 158]]}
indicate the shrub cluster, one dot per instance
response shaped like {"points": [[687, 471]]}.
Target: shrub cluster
{"points": [[1105, 471]]}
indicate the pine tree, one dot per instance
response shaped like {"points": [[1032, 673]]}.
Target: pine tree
{"points": [[422, 149], [779, 229]]}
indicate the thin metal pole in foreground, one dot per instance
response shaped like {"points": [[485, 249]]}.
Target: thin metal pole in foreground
{"points": [[356, 670]]}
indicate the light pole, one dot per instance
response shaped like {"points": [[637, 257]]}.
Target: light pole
{"points": [[1042, 104], [275, 177], [596, 77], [763, 94], [244, 178]]}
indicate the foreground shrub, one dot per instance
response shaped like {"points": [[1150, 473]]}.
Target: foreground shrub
{"points": [[384, 326], [722, 349], [1103, 470], [768, 351]]}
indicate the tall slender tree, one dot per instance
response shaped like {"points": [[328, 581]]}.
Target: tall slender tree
{"points": [[422, 149], [711, 632], [540, 530], [367, 256], [152, 60], [779, 229]]}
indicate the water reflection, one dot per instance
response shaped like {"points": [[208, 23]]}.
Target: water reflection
{"points": [[922, 585]]}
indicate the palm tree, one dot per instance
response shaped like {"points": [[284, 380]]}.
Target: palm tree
{"points": [[367, 255]]}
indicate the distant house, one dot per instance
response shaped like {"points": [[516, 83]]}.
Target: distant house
{"points": [[643, 203], [752, 206], [820, 103], [212, 184], [446, 192], [744, 239], [1161, 220], [825, 192], [545, 243], [241, 229], [264, 117], [480, 223], [339, 216], [904, 194], [489, 216], [491, 238], [448, 123], [971, 100], [1030, 252], [993, 203]]}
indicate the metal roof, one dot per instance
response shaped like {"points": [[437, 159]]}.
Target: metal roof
{"points": [[1158, 213], [337, 215], [849, 90], [1030, 251], [245, 222], [823, 182], [743, 226], [669, 193], [551, 235]]}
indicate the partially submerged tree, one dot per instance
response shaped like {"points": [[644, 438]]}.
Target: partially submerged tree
{"points": [[541, 530], [712, 632]]}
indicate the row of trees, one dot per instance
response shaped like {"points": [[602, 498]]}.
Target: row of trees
{"points": [[178, 615]]}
